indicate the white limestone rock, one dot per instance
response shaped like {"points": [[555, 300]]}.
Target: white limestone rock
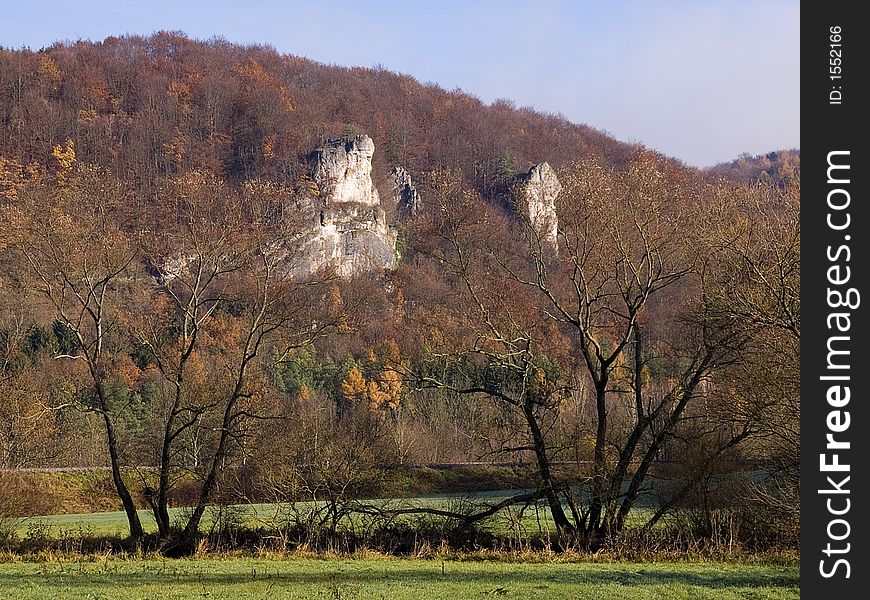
{"points": [[343, 170], [348, 231], [539, 189]]}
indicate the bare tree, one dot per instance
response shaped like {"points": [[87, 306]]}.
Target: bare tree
{"points": [[755, 241], [626, 299], [78, 254], [626, 285], [229, 306]]}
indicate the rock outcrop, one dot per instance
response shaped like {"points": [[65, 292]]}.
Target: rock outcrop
{"points": [[405, 194], [348, 230], [538, 191], [343, 171]]}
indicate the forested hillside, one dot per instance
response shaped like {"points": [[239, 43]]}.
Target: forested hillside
{"points": [[150, 107], [623, 327]]}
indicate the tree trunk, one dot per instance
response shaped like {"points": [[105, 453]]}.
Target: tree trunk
{"points": [[161, 505], [192, 528], [121, 487], [563, 525], [599, 465]]}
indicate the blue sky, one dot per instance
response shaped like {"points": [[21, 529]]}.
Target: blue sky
{"points": [[699, 80]]}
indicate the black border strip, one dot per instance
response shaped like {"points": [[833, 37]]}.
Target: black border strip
{"points": [[833, 112]]}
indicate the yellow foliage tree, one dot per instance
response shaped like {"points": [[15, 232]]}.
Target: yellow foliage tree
{"points": [[386, 392], [353, 387], [383, 393], [49, 70], [65, 158]]}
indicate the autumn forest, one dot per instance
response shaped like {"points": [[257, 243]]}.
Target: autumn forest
{"points": [[191, 314]]}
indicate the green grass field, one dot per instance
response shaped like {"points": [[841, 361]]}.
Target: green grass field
{"points": [[274, 515], [390, 578], [370, 578]]}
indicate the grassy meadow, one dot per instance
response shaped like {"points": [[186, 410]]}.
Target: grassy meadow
{"points": [[392, 578], [533, 520], [61, 571]]}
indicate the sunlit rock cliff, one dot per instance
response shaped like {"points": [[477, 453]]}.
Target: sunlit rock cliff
{"points": [[539, 188], [348, 231]]}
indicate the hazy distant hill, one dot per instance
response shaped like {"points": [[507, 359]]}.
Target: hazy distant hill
{"points": [[779, 167]]}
